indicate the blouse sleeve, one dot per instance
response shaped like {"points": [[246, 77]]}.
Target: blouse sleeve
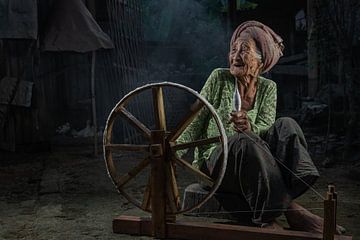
{"points": [[267, 111], [197, 128]]}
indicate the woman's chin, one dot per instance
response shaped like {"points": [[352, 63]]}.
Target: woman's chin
{"points": [[237, 73]]}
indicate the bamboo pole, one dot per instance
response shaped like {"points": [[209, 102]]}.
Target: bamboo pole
{"points": [[93, 100]]}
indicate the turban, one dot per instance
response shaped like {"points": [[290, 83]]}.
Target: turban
{"points": [[267, 41]]}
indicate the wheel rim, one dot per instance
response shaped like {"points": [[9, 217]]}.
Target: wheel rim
{"points": [[120, 181]]}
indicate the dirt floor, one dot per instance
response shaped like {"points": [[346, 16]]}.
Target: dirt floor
{"points": [[66, 194]]}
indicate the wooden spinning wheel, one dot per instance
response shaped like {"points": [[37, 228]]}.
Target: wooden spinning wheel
{"points": [[161, 196], [161, 151]]}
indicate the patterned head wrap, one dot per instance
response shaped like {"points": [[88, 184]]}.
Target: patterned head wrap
{"points": [[267, 41]]}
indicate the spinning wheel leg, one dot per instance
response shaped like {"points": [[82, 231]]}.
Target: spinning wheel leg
{"points": [[158, 195]]}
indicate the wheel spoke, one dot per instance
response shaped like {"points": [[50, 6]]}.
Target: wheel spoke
{"points": [[132, 173], [195, 108], [128, 147], [135, 122], [159, 108], [195, 143], [147, 196], [194, 171], [172, 188]]}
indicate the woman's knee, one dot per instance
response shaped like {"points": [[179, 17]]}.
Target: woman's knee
{"points": [[285, 121], [287, 124], [288, 127]]}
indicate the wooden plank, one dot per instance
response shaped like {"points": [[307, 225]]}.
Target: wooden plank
{"points": [[211, 231], [158, 181], [159, 108], [196, 143], [128, 147], [133, 172], [194, 171], [132, 225], [180, 128], [135, 122]]}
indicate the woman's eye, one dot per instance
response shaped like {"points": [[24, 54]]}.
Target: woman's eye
{"points": [[246, 49]]}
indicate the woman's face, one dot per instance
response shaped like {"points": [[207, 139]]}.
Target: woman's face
{"points": [[243, 59]]}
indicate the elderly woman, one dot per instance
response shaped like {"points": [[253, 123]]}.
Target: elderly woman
{"points": [[268, 164]]}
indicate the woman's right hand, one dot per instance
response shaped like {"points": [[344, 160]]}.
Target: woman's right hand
{"points": [[240, 121]]}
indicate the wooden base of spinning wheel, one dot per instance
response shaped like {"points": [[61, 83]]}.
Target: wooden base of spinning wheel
{"points": [[210, 231], [172, 229]]}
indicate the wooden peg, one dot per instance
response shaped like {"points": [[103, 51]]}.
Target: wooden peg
{"points": [[331, 188], [329, 215]]}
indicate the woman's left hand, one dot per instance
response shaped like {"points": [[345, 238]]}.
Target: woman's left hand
{"points": [[240, 121]]}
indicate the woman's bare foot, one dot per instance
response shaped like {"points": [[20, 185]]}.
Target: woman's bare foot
{"points": [[303, 220], [274, 225]]}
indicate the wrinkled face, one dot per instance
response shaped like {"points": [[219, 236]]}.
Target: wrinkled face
{"points": [[243, 58]]}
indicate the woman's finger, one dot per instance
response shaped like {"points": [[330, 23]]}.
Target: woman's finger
{"points": [[240, 121], [235, 116]]}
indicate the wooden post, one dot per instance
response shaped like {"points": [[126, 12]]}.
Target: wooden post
{"points": [[93, 101], [158, 181], [92, 9], [312, 50], [329, 215], [331, 189]]}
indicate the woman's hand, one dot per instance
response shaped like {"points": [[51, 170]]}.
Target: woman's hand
{"points": [[240, 121]]}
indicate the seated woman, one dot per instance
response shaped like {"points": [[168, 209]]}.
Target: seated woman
{"points": [[268, 164]]}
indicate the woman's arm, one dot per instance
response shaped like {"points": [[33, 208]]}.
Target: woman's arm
{"points": [[197, 128], [267, 111]]}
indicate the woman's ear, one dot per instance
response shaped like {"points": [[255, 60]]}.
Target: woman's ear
{"points": [[258, 69], [261, 66]]}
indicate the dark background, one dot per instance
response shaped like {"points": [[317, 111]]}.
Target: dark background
{"points": [[46, 97]]}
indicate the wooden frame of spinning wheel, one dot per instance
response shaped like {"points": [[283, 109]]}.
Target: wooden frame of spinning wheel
{"points": [[161, 196]]}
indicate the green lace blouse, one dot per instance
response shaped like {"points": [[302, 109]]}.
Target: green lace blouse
{"points": [[218, 90]]}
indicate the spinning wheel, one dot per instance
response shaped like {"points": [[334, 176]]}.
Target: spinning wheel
{"points": [[161, 153], [161, 196]]}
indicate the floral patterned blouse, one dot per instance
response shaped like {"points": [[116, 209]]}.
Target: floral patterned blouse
{"points": [[218, 91]]}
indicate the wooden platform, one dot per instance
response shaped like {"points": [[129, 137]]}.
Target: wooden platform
{"points": [[210, 231]]}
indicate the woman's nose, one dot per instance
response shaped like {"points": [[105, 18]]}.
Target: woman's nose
{"points": [[238, 55]]}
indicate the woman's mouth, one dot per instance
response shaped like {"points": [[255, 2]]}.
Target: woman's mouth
{"points": [[238, 64]]}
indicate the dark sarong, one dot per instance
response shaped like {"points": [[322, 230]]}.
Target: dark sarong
{"points": [[266, 171]]}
